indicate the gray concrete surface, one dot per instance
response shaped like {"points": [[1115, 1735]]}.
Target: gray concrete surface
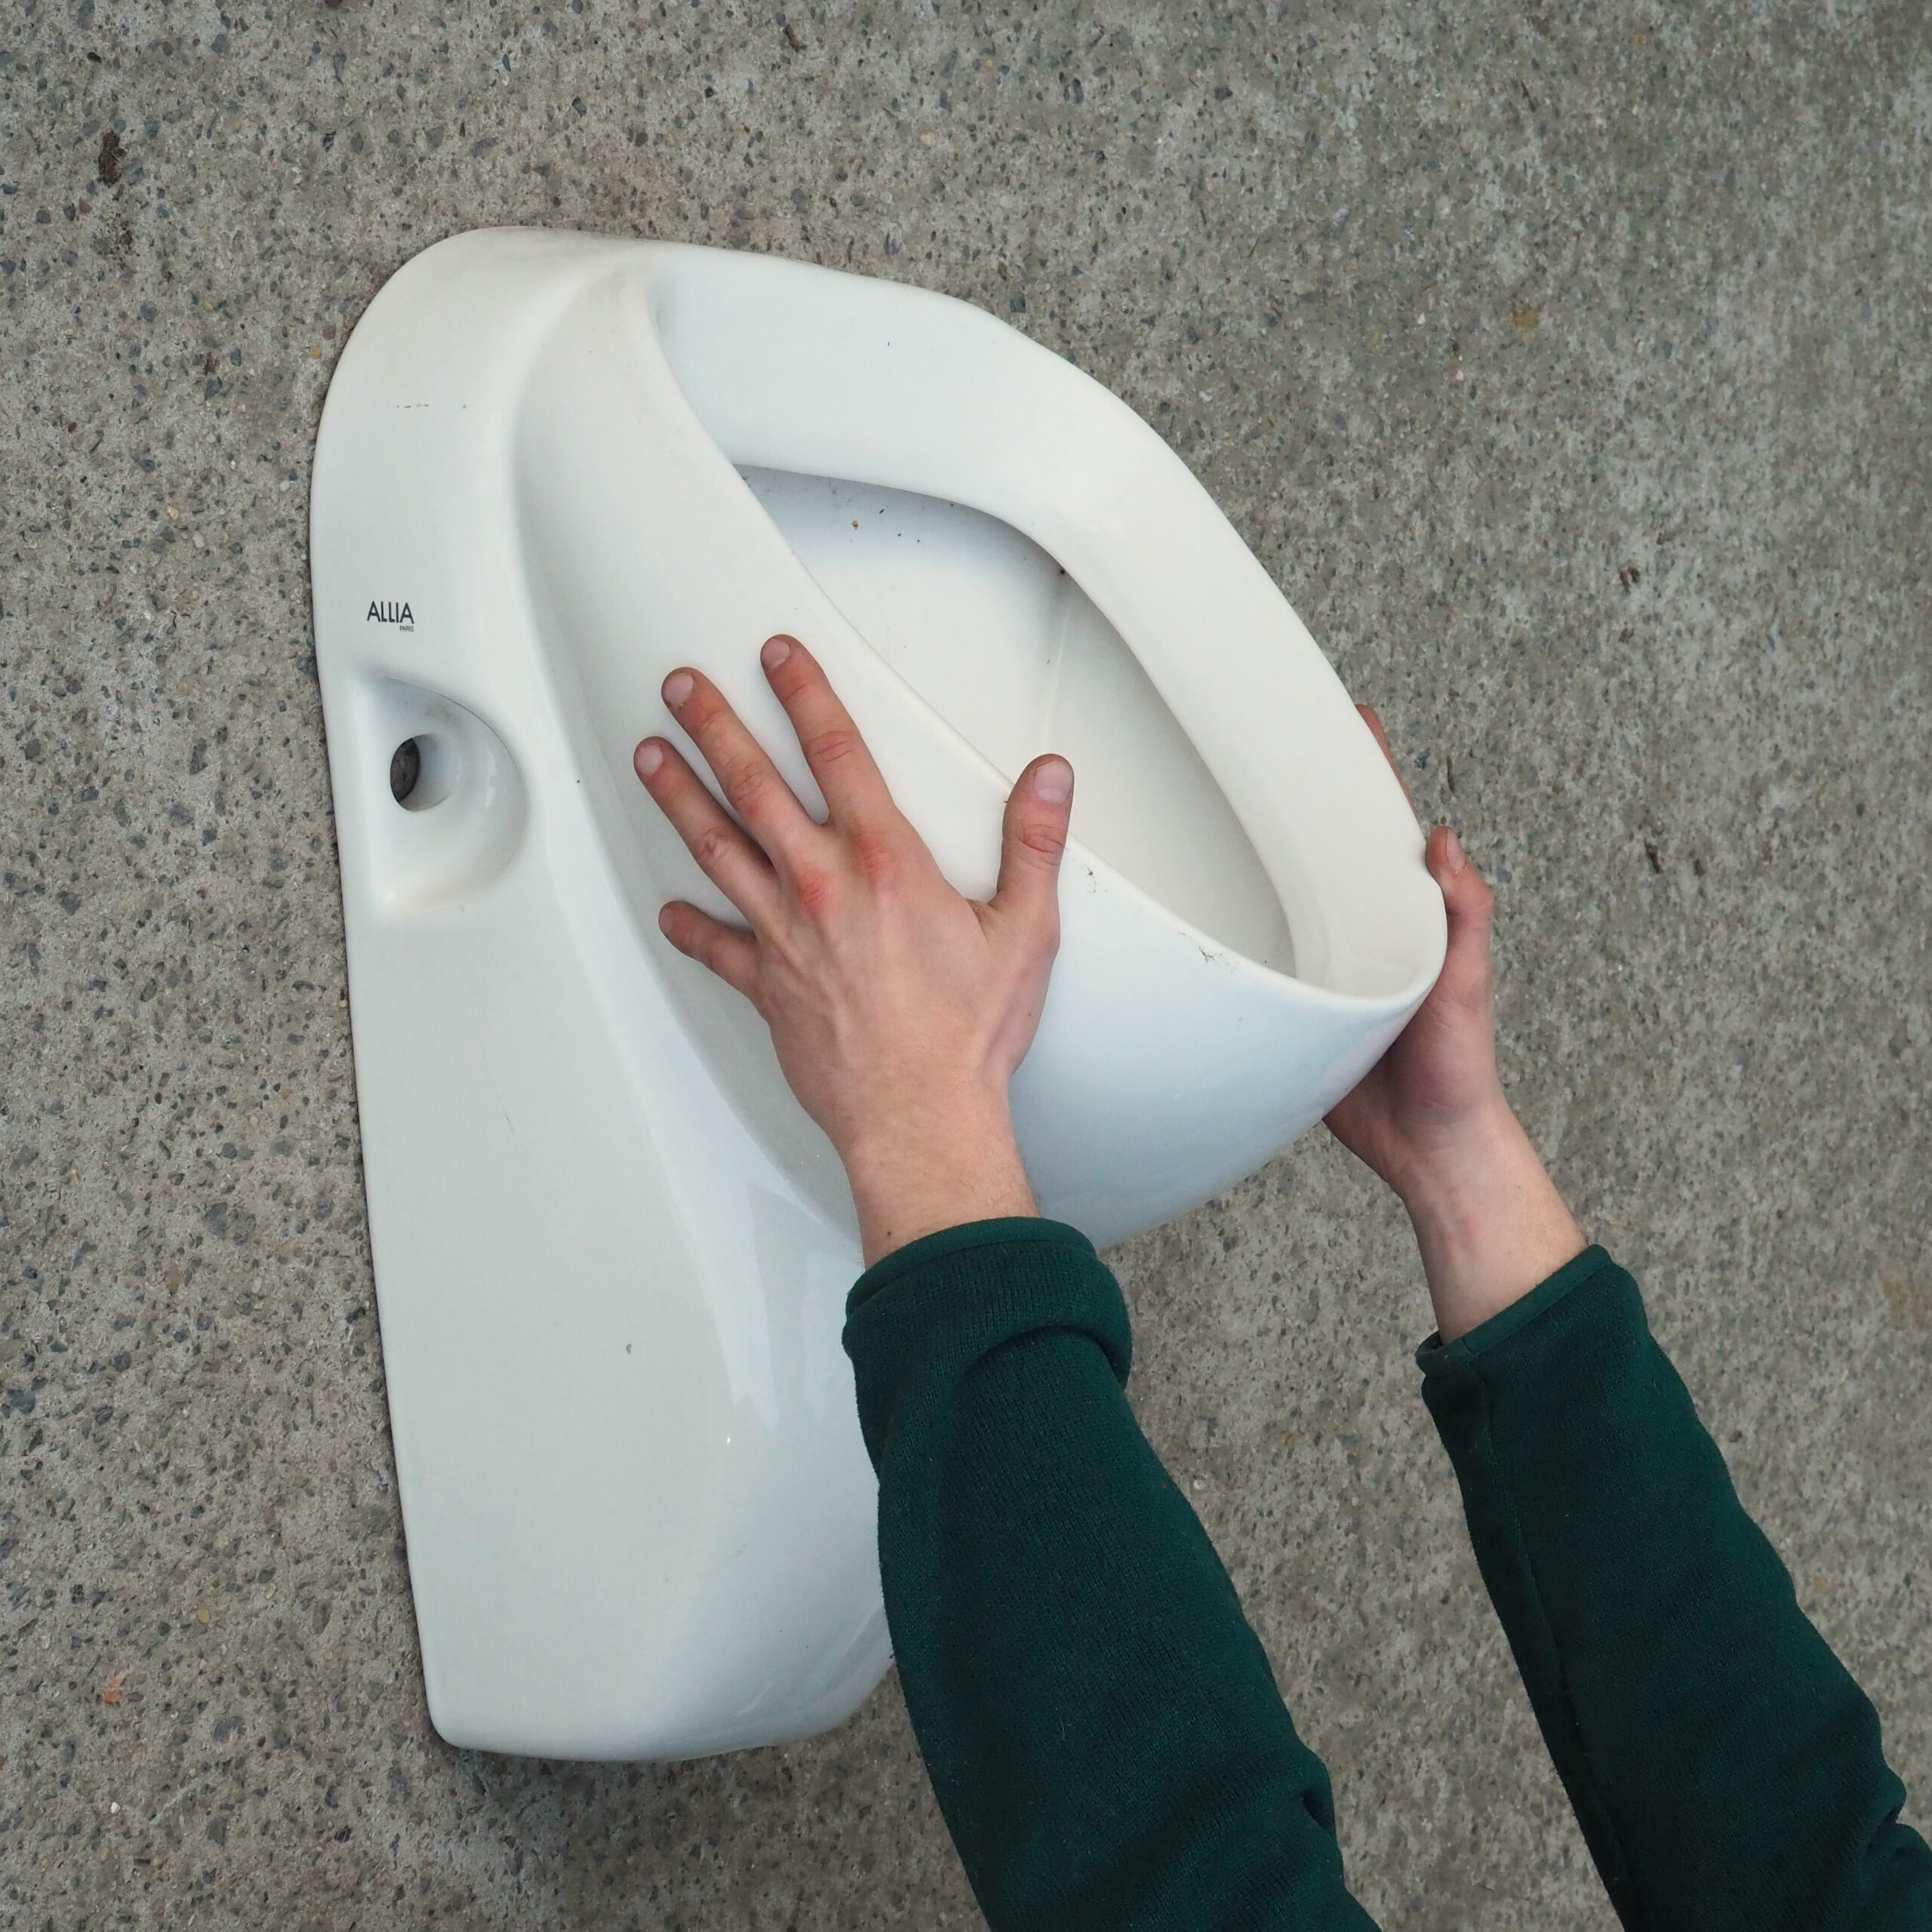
{"points": [[1571, 377]]}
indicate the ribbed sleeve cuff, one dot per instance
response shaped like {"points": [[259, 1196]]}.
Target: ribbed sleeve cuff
{"points": [[1014, 1230], [1436, 1357], [928, 1311]]}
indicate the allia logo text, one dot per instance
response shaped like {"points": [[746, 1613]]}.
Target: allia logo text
{"points": [[398, 614]]}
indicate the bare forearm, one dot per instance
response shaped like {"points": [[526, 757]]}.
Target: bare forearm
{"points": [[1490, 1223], [956, 1162]]}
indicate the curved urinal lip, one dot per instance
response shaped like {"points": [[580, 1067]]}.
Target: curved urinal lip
{"points": [[1259, 974], [1244, 966], [1262, 978]]}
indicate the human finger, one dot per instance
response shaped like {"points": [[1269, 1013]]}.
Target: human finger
{"points": [[1032, 840], [753, 785], [838, 755], [724, 853], [730, 954], [1374, 724], [1467, 975]]}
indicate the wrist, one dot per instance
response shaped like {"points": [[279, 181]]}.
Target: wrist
{"points": [[1489, 1221], [956, 1161]]}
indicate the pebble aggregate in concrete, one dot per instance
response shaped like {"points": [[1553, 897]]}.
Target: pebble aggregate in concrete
{"points": [[1571, 374]]}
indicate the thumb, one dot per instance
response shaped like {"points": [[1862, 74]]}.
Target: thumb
{"points": [[1032, 840], [1467, 978]]}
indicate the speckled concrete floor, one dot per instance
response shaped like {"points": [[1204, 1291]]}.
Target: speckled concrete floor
{"points": [[1572, 378]]}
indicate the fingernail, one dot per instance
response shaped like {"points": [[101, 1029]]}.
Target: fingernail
{"points": [[1452, 851], [677, 686], [664, 921], [1052, 781], [650, 756], [776, 650]]}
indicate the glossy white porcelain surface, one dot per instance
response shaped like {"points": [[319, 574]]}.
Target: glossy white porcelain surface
{"points": [[611, 1253]]}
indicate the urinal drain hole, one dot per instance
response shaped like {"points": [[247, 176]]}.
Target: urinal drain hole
{"points": [[423, 770], [405, 769]]}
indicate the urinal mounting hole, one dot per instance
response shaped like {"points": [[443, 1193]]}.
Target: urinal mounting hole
{"points": [[405, 769], [422, 770]]}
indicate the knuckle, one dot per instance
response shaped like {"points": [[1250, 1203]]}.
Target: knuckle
{"points": [[875, 856], [816, 889], [746, 787], [713, 846], [833, 746], [1044, 840]]}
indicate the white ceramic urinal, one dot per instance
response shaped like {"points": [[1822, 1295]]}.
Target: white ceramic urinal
{"points": [[611, 1253]]}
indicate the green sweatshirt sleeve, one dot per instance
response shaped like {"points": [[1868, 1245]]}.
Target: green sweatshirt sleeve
{"points": [[1725, 1769], [1100, 1724]]}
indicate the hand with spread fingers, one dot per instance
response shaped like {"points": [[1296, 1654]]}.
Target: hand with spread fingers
{"points": [[899, 1009]]}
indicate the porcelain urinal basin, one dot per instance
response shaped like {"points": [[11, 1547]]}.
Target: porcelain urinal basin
{"points": [[611, 1253]]}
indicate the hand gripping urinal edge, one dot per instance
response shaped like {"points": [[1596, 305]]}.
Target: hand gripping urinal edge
{"points": [[611, 1253]]}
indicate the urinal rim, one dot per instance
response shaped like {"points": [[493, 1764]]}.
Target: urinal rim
{"points": [[1104, 871], [591, 276], [1268, 980]]}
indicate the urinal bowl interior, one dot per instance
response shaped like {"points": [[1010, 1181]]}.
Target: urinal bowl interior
{"points": [[1001, 641]]}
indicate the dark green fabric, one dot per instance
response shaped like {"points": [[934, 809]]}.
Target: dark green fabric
{"points": [[1102, 1727], [1100, 1724], [1725, 1769]]}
